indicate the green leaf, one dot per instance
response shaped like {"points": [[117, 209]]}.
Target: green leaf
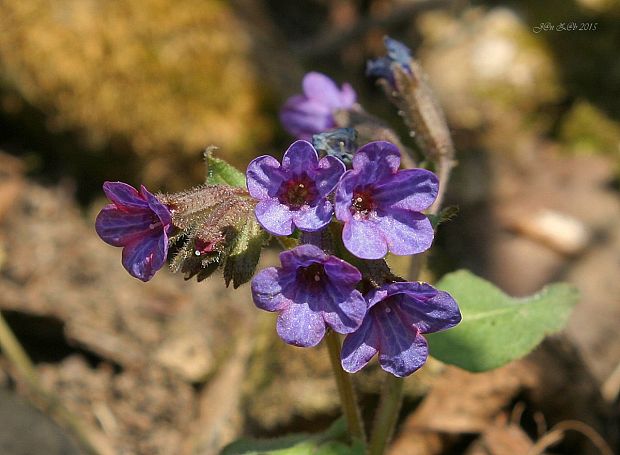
{"points": [[306, 447], [265, 446], [299, 444], [444, 215], [244, 253], [497, 328], [219, 172]]}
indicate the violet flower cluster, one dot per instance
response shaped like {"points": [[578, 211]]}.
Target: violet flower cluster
{"points": [[379, 205], [358, 205], [380, 209]]}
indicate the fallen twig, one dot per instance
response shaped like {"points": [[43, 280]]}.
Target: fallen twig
{"points": [[557, 432], [611, 387]]}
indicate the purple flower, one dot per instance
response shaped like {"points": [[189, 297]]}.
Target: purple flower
{"points": [[139, 223], [397, 53], [380, 205], [312, 112], [311, 290], [295, 193], [398, 315]]}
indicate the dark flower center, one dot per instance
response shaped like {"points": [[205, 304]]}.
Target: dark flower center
{"points": [[155, 222], [312, 276], [388, 303], [298, 191], [362, 202]]}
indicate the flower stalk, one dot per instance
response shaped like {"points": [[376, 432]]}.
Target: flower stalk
{"points": [[348, 399], [387, 414]]}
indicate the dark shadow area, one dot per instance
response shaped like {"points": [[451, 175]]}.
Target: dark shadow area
{"points": [[54, 157], [462, 242], [44, 340]]}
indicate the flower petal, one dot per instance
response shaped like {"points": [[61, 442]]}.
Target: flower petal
{"points": [[343, 309], [162, 212], [429, 309], [359, 347], [267, 290], [313, 218], [403, 350], [118, 228], [300, 326], [302, 256], [303, 117], [299, 158], [344, 195], [364, 239], [321, 88], [347, 96], [124, 196], [376, 295], [275, 217], [376, 161], [406, 232], [145, 256], [328, 174], [410, 189], [340, 271], [264, 177]]}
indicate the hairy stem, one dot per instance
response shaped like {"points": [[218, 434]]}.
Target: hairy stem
{"points": [[91, 441], [348, 399], [387, 414]]}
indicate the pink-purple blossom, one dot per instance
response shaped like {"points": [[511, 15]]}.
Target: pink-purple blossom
{"points": [[398, 315], [138, 222], [310, 292], [294, 194], [381, 206], [312, 112]]}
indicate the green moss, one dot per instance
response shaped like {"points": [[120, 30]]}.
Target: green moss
{"points": [[587, 129], [168, 78]]}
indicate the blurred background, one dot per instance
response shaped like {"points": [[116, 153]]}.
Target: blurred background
{"points": [[94, 90]]}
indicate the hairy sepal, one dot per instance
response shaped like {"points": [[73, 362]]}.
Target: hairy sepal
{"points": [[244, 252], [215, 228]]}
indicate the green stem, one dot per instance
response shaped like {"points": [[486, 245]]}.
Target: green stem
{"points": [[91, 441], [387, 414], [348, 400]]}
